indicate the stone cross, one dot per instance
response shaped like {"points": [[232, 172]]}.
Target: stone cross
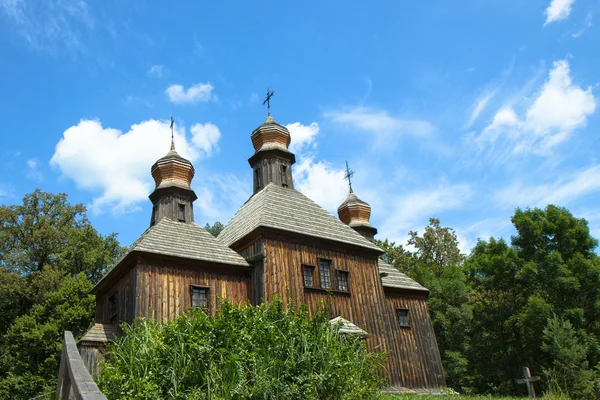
{"points": [[528, 380], [348, 176]]}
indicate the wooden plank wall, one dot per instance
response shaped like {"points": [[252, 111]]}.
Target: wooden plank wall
{"points": [[164, 290], [415, 349], [125, 288], [366, 306]]}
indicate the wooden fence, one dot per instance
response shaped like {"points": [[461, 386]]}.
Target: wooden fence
{"points": [[74, 380]]}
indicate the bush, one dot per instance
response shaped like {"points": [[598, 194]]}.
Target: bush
{"points": [[243, 352]]}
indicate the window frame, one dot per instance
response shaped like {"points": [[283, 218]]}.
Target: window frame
{"points": [[257, 179], [306, 267], [400, 310], [343, 272], [206, 289], [113, 308], [181, 212], [154, 215], [328, 275]]}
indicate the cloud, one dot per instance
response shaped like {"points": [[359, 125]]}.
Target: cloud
{"points": [[562, 191], [205, 137], [586, 25], [558, 109], [321, 182], [194, 94], [33, 172], [49, 24], [385, 127], [480, 105], [303, 136], [412, 210], [219, 196], [115, 165], [155, 71], [558, 10]]}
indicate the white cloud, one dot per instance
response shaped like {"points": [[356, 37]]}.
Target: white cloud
{"points": [[558, 10], [195, 93], [302, 136], [49, 24], [220, 196], [586, 25], [321, 182], [33, 172], [205, 137], [115, 165], [411, 211], [387, 129], [156, 71], [560, 192], [480, 105], [558, 109]]}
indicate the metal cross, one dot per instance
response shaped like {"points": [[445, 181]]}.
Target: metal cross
{"points": [[270, 94], [528, 380], [348, 176], [172, 138]]}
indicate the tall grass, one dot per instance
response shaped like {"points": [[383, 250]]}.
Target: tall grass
{"points": [[243, 352]]}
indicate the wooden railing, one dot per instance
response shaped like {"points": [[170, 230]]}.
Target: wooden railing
{"points": [[74, 380]]}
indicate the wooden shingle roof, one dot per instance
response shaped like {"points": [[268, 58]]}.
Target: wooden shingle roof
{"points": [[347, 327], [100, 333], [391, 277], [289, 210], [178, 239]]}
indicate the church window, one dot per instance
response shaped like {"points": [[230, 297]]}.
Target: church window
{"points": [[324, 273], [284, 176], [200, 297], [307, 275], [112, 308], [257, 179], [181, 212], [154, 215], [342, 280], [402, 314]]}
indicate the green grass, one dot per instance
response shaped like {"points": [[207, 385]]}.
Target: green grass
{"points": [[438, 397]]}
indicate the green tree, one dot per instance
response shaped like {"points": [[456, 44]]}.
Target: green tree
{"points": [[46, 230], [550, 268], [569, 372], [31, 348], [215, 228]]}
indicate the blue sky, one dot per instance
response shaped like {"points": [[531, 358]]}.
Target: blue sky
{"points": [[459, 110]]}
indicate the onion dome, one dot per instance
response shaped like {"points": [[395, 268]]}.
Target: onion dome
{"points": [[270, 136], [356, 213], [172, 170]]}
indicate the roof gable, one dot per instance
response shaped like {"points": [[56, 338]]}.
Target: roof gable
{"points": [[287, 209]]}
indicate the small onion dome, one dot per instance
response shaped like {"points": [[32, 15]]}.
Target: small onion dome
{"points": [[172, 170], [356, 213], [270, 135]]}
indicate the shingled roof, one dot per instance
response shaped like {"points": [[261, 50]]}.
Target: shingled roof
{"points": [[347, 327], [289, 210], [391, 277], [100, 333], [173, 238]]}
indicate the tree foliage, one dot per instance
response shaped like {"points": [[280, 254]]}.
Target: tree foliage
{"points": [[243, 352], [50, 256], [215, 228]]}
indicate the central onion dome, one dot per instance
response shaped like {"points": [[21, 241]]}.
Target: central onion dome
{"points": [[270, 135], [172, 170], [356, 214]]}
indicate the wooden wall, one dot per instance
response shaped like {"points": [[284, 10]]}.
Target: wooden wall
{"points": [[415, 350], [412, 361], [164, 291], [124, 290]]}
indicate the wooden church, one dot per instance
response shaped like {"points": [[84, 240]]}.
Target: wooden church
{"points": [[278, 241]]}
